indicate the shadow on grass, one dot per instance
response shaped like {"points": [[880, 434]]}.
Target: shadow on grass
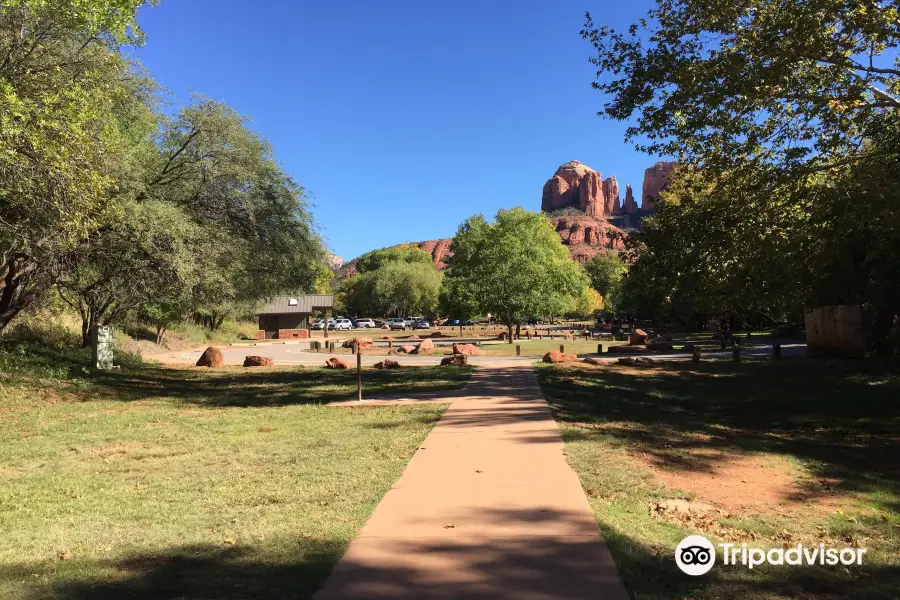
{"points": [[527, 566], [841, 418], [278, 387], [31, 364]]}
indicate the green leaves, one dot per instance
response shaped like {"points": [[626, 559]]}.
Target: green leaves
{"points": [[783, 82], [393, 281], [514, 267]]}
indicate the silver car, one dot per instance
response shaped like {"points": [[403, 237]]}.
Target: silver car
{"points": [[397, 323]]}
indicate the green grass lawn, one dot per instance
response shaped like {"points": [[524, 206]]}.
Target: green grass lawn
{"points": [[183, 483], [834, 427], [541, 347]]}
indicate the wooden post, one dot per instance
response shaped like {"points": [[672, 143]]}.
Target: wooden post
{"points": [[518, 350], [354, 348], [723, 344], [776, 351], [696, 357], [390, 344], [562, 349], [599, 348], [736, 354], [358, 373]]}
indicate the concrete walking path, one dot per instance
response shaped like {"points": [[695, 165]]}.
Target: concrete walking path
{"points": [[488, 507]]}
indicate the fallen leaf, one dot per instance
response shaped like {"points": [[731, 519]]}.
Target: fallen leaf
{"points": [[65, 556]]}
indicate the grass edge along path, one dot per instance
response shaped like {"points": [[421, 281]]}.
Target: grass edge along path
{"points": [[614, 419], [189, 483]]}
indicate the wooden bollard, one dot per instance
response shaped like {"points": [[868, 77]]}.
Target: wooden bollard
{"points": [[390, 344], [776, 351], [358, 373], [518, 350], [696, 357], [599, 348], [562, 349], [723, 344], [354, 348], [736, 354]]}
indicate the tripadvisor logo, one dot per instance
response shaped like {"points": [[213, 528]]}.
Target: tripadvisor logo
{"points": [[696, 555]]}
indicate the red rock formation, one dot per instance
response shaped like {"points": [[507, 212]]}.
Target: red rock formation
{"points": [[556, 194], [577, 185], [629, 206], [439, 249], [611, 196], [590, 195], [587, 236], [655, 179]]}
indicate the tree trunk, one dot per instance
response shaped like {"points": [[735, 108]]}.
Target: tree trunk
{"points": [[881, 332], [518, 330], [509, 328], [160, 334], [19, 287], [460, 329]]}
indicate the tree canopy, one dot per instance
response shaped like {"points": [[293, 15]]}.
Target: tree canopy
{"points": [[785, 118], [798, 84], [514, 267], [393, 281], [119, 206]]}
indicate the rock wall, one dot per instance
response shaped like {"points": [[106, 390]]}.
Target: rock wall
{"points": [[575, 185], [655, 179], [612, 205]]}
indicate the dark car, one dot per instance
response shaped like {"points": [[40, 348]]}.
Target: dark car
{"points": [[452, 323]]}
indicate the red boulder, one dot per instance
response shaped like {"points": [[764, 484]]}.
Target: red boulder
{"points": [[212, 357]]}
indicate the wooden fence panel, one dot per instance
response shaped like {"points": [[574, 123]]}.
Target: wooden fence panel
{"points": [[835, 332]]}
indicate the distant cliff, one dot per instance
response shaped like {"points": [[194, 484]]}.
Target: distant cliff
{"points": [[585, 209]]}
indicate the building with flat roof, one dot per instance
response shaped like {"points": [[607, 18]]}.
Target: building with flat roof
{"points": [[287, 317]]}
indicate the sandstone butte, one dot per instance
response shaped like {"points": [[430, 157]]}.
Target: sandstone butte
{"points": [[586, 210]]}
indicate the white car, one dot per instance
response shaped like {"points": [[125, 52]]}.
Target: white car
{"points": [[367, 323], [317, 324], [341, 324]]}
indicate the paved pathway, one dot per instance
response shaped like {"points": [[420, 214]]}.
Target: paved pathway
{"points": [[487, 508]]}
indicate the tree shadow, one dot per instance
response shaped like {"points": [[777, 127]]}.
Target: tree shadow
{"points": [[841, 418], [234, 386], [457, 563]]}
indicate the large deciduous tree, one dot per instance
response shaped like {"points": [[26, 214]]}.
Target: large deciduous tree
{"points": [[514, 267], [393, 281], [60, 79], [798, 84], [785, 115]]}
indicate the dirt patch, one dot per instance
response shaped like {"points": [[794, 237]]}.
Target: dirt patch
{"points": [[741, 483]]}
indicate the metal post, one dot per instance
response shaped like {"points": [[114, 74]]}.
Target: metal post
{"points": [[358, 374]]}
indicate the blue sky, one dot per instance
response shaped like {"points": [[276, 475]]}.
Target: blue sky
{"points": [[402, 118]]}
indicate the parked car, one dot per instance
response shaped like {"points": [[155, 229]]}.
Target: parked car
{"points": [[365, 323], [451, 323], [397, 323], [317, 324], [421, 324], [344, 324]]}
